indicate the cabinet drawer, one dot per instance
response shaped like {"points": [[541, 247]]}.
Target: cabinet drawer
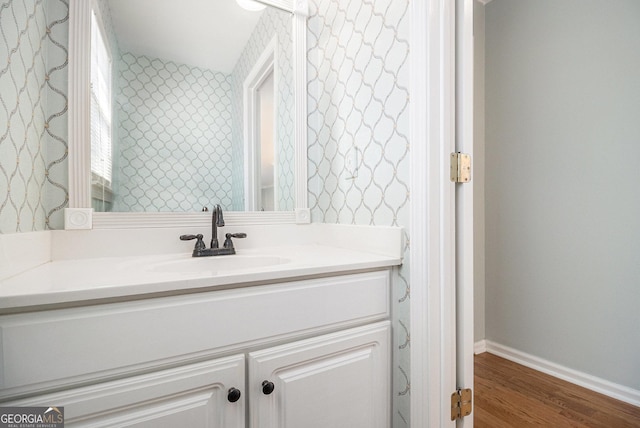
{"points": [[65, 347]]}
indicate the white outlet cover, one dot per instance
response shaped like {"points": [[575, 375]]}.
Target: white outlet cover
{"points": [[303, 216], [78, 218]]}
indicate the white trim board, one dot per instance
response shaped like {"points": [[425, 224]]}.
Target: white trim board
{"points": [[613, 390], [432, 256], [480, 347]]}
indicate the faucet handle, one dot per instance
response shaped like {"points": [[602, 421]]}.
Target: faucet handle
{"points": [[228, 243], [190, 237], [199, 243]]}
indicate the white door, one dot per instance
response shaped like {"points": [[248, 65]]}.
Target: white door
{"points": [[340, 380]]}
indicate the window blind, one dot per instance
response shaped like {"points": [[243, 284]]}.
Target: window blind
{"points": [[101, 146]]}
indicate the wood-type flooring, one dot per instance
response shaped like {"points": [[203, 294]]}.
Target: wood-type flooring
{"points": [[511, 395]]}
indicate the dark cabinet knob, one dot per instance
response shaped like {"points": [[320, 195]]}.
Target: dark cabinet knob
{"points": [[267, 387], [233, 395]]}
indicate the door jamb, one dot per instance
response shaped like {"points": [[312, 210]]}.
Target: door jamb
{"points": [[464, 201], [432, 257]]}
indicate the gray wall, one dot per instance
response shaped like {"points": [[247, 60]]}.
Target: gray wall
{"points": [[562, 196], [478, 175]]}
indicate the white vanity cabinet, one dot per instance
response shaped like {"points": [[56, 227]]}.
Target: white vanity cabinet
{"points": [[323, 344]]}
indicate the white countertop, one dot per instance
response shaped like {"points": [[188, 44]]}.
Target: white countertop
{"points": [[72, 282]]}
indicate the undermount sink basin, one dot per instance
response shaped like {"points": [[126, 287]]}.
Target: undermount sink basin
{"points": [[212, 265]]}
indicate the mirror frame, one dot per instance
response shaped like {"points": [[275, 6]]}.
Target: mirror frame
{"points": [[79, 148]]}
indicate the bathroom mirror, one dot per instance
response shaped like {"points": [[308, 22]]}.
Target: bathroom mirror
{"points": [[212, 151]]}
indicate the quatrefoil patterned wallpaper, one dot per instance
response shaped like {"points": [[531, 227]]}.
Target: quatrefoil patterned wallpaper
{"points": [[174, 133], [33, 120], [359, 103], [358, 55]]}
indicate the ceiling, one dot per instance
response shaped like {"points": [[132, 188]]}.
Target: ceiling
{"points": [[204, 33]]}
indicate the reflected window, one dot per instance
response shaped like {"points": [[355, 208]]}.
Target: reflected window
{"points": [[101, 112]]}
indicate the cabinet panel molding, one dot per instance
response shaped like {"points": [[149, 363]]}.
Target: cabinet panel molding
{"points": [[340, 380], [194, 395]]}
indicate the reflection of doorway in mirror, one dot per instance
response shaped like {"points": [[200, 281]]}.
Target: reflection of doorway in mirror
{"points": [[266, 145], [261, 143]]}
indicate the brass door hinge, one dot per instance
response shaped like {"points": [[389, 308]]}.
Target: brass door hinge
{"points": [[461, 404], [460, 167]]}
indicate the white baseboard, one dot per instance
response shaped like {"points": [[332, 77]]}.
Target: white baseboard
{"points": [[480, 347], [614, 390]]}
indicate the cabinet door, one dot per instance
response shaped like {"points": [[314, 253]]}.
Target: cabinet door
{"points": [[340, 380], [196, 395]]}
